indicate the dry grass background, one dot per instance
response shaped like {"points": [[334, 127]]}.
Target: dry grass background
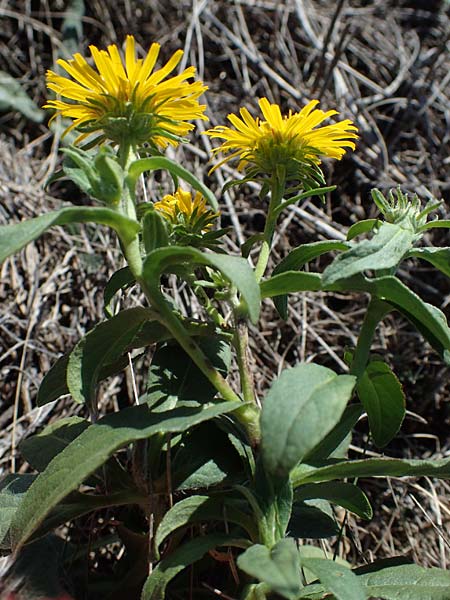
{"points": [[384, 64]]}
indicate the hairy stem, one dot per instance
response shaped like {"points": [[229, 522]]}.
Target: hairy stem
{"points": [[242, 351], [276, 196]]}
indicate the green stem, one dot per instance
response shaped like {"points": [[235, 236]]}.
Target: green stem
{"points": [[248, 415], [276, 196], [241, 346], [376, 310], [131, 250]]}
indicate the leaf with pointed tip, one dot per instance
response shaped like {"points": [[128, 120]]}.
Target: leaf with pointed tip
{"points": [[438, 257], [313, 519], [297, 258], [337, 437], [362, 227], [38, 450], [236, 270], [382, 396], [104, 344], [119, 280], [290, 282], [385, 250], [157, 163], [16, 236], [371, 467], [429, 320], [203, 508], [301, 408], [93, 447], [347, 495]]}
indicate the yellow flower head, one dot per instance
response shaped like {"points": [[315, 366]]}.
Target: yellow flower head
{"points": [[293, 140], [191, 213], [127, 100]]}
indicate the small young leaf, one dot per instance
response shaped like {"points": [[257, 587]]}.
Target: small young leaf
{"points": [[382, 396], [301, 408], [92, 448], [119, 280], [337, 579], [156, 163], [384, 251], [277, 566], [347, 495], [289, 283], [362, 227], [16, 236]]}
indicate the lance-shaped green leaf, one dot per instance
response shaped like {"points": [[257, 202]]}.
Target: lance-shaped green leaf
{"points": [[428, 319], [404, 581], [16, 236], [12, 491], [54, 383], [13, 97], [347, 495], [235, 269], [104, 344], [336, 578], [302, 407], [436, 224], [438, 257], [382, 396], [277, 566], [384, 251], [297, 258], [119, 280], [173, 376], [182, 557], [93, 447], [289, 283], [362, 227], [313, 519], [371, 467], [38, 450], [196, 509], [337, 436], [157, 163]]}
